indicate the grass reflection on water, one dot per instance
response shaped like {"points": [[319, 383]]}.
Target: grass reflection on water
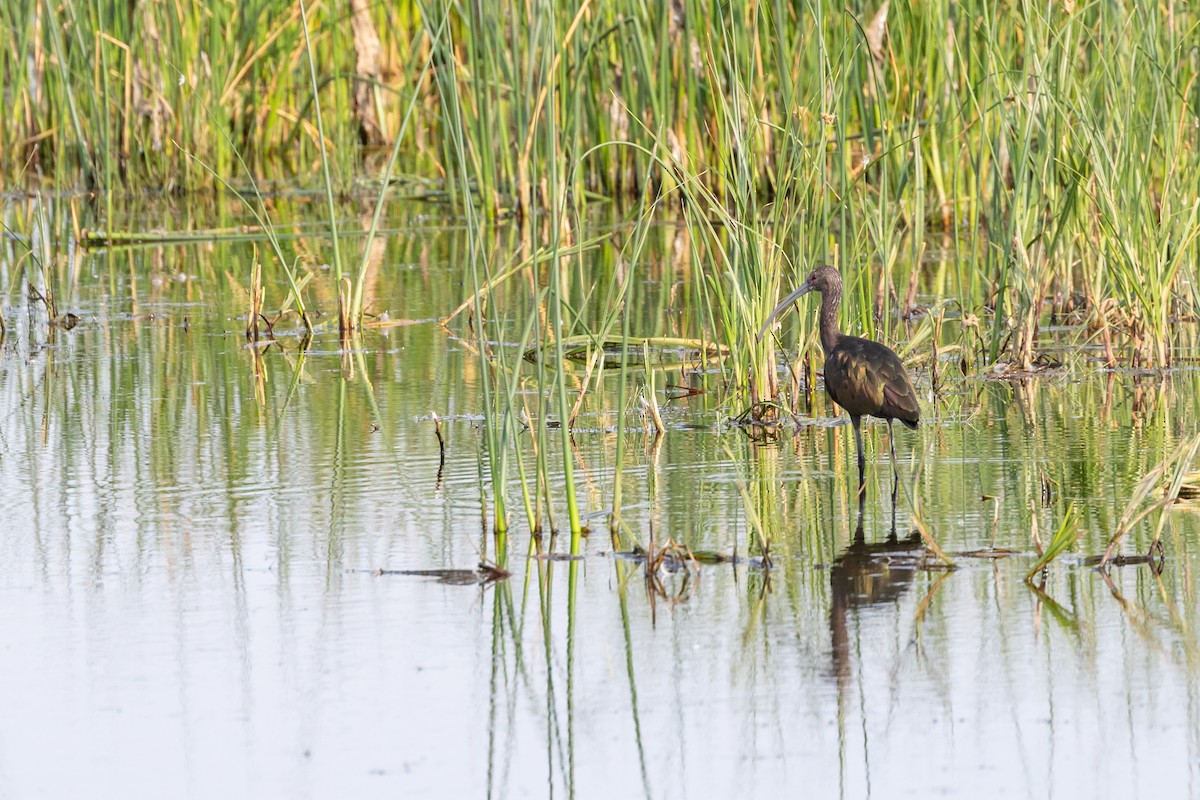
{"points": [[193, 527]]}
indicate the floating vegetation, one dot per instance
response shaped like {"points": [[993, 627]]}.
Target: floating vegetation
{"points": [[1189, 488], [663, 352], [485, 574]]}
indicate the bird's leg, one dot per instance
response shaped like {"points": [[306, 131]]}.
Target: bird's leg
{"points": [[862, 461], [892, 445], [895, 469], [892, 532]]}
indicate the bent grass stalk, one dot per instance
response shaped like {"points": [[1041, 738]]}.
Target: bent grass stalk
{"points": [[480, 271], [344, 322], [1176, 466], [263, 218], [260, 214], [356, 305], [558, 206], [917, 515], [753, 509]]}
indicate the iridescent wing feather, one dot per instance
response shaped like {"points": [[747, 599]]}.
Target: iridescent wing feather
{"points": [[866, 378]]}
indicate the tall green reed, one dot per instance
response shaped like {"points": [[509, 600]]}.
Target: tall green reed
{"points": [[1055, 142]]}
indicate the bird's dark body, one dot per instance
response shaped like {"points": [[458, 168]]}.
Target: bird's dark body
{"points": [[867, 379]]}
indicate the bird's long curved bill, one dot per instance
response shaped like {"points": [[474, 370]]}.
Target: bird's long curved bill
{"points": [[784, 304]]}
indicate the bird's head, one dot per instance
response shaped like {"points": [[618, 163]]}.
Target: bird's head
{"points": [[822, 279]]}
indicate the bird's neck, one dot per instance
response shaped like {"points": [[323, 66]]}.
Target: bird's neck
{"points": [[831, 334]]}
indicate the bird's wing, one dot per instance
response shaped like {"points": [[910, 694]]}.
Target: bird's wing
{"points": [[899, 397], [849, 382], [865, 377]]}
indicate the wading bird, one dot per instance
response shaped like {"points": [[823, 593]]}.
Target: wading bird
{"points": [[864, 377]]}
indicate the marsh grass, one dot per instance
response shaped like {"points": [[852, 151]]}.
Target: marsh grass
{"points": [[1054, 149], [1042, 139]]}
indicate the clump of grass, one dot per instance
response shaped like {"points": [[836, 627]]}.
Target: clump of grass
{"points": [[1173, 470], [1064, 537]]}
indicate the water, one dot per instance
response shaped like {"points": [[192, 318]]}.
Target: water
{"points": [[191, 605]]}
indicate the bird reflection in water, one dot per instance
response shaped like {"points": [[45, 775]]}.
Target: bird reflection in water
{"points": [[866, 576]]}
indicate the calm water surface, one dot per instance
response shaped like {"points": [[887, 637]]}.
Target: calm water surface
{"points": [[192, 528]]}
